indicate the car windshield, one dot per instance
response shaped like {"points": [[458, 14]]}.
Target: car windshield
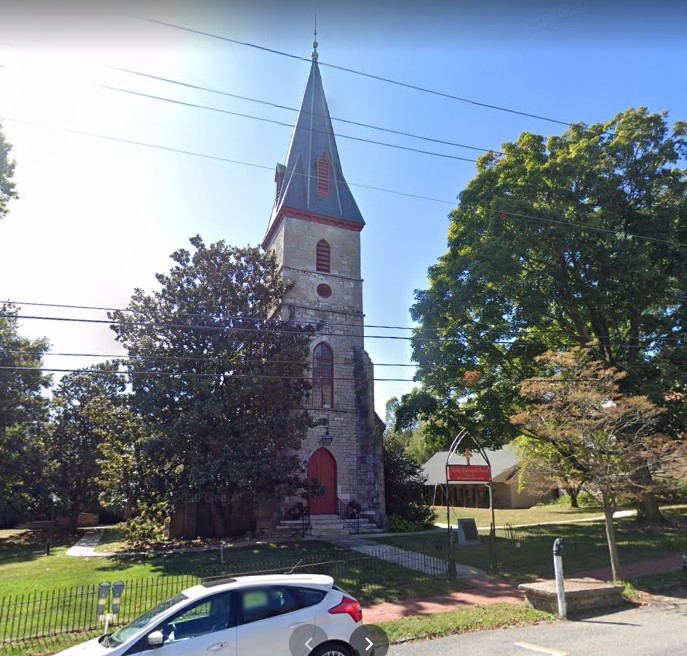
{"points": [[144, 621]]}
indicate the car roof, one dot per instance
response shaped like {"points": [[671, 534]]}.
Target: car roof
{"points": [[200, 590]]}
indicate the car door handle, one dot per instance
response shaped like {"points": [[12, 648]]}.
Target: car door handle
{"points": [[217, 646], [295, 625]]}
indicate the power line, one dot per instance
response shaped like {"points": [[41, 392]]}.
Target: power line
{"points": [[607, 231], [190, 358], [221, 159], [379, 78], [308, 378], [506, 335], [509, 342], [275, 122], [573, 226], [294, 109], [194, 374]]}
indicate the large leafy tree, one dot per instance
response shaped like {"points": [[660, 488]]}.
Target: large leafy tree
{"points": [[598, 435], [23, 412], [557, 242], [81, 405], [220, 381], [7, 187]]}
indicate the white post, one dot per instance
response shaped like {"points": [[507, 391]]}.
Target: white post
{"points": [[560, 581]]}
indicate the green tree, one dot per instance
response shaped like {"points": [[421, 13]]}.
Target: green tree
{"points": [[412, 436], [7, 187], [602, 436], [81, 403], [126, 468], [554, 243], [220, 382], [23, 413], [541, 468], [404, 487]]}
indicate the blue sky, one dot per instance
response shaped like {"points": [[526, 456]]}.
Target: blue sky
{"points": [[98, 217]]}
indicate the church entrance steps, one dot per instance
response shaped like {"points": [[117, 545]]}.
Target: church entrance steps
{"points": [[327, 526]]}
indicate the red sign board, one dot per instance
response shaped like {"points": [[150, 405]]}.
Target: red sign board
{"points": [[469, 473]]}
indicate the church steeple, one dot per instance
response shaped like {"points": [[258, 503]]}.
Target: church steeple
{"points": [[311, 182]]}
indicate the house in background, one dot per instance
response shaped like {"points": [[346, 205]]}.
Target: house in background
{"points": [[505, 469]]}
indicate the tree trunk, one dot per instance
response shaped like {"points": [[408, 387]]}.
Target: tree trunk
{"points": [[573, 493], [648, 511], [74, 518], [218, 519], [609, 509]]}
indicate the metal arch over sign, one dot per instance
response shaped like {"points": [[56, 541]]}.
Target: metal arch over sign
{"points": [[465, 474], [469, 473]]}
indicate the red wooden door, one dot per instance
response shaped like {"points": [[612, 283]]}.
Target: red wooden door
{"points": [[322, 467]]}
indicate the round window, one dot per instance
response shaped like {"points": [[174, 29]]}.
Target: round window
{"points": [[325, 291]]}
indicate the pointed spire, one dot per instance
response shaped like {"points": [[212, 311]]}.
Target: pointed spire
{"points": [[312, 180]]}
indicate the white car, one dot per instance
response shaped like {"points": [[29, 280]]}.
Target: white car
{"points": [[275, 615]]}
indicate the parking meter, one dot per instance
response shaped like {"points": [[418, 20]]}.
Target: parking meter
{"points": [[117, 589], [103, 595]]}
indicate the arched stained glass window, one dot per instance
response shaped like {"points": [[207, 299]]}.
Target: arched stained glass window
{"points": [[323, 376]]}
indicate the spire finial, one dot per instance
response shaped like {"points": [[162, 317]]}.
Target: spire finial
{"points": [[314, 55]]}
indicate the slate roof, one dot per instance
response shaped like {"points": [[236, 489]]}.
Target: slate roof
{"points": [[312, 136], [504, 462]]}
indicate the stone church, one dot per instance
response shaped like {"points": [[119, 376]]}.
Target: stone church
{"points": [[315, 231]]}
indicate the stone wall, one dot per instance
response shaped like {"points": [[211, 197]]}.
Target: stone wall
{"points": [[356, 445], [583, 596]]}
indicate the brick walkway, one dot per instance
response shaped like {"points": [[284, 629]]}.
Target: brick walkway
{"points": [[483, 590], [491, 590]]}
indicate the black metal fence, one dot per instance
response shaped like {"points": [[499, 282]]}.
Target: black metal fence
{"points": [[49, 613]]}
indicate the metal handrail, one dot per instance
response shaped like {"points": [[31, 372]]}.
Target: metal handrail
{"points": [[306, 526], [353, 523]]}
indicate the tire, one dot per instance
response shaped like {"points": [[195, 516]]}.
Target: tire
{"points": [[332, 649]]}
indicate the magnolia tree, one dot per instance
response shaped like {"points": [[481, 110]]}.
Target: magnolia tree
{"points": [[596, 435], [219, 382]]}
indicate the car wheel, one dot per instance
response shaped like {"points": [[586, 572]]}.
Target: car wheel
{"points": [[332, 650]]}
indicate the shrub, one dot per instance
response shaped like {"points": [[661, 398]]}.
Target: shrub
{"points": [[404, 486], [150, 524], [400, 525]]}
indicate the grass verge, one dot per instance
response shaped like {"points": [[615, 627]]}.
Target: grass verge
{"points": [[462, 620]]}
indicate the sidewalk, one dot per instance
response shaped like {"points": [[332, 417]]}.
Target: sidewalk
{"points": [[85, 546], [410, 559]]}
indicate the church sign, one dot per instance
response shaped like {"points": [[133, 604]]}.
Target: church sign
{"points": [[469, 473]]}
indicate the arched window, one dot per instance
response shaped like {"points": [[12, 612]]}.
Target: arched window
{"points": [[323, 376], [322, 167], [323, 257]]}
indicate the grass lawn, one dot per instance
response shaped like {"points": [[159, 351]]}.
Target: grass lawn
{"points": [[462, 620], [550, 513], [58, 592], [585, 546], [24, 567]]}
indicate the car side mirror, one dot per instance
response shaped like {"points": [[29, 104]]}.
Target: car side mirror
{"points": [[155, 639]]}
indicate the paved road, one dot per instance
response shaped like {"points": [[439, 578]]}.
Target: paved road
{"points": [[656, 630]]}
